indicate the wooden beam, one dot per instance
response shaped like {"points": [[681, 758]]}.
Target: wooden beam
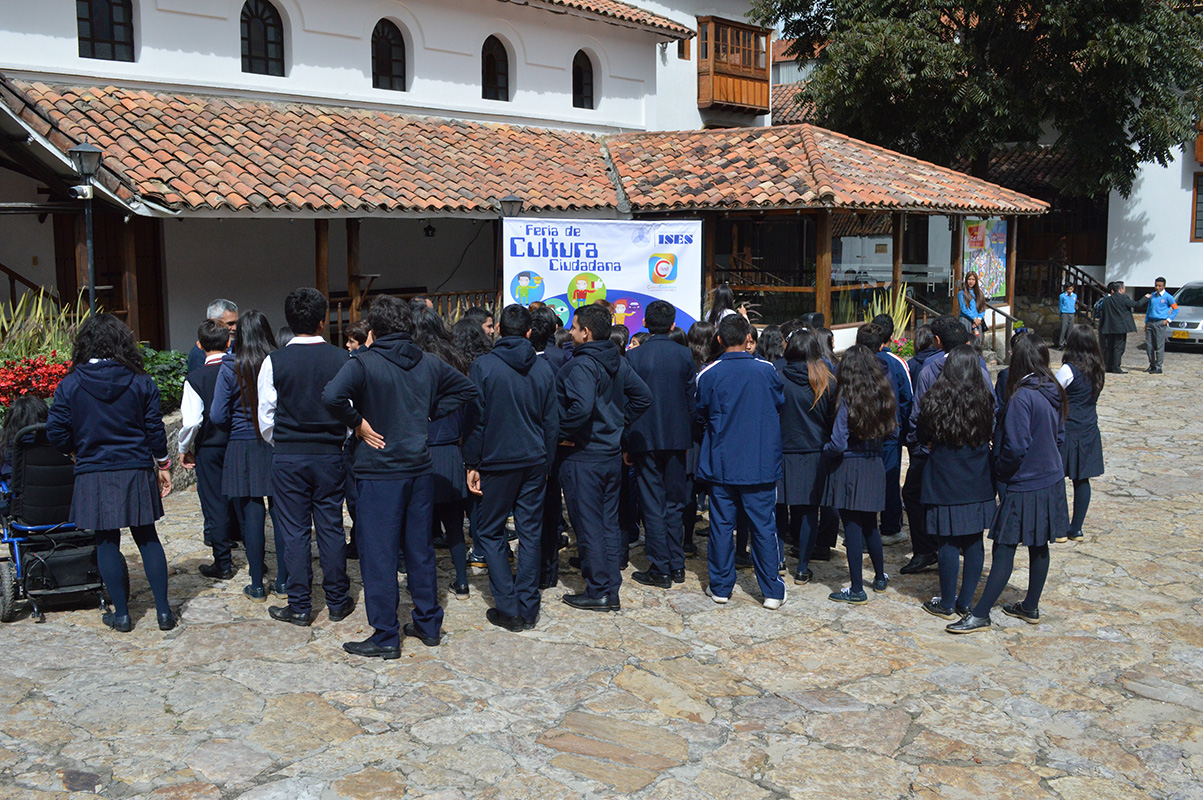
{"points": [[129, 278], [899, 225], [353, 269], [709, 232], [321, 256], [1012, 259], [823, 267], [958, 260]]}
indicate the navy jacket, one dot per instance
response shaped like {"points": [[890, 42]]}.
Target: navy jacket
{"points": [[900, 381], [521, 416], [668, 370], [843, 443], [1083, 404], [554, 356], [1027, 443], [398, 389], [229, 412], [803, 421], [109, 417], [444, 430], [739, 397], [599, 395], [957, 475], [917, 362], [931, 370]]}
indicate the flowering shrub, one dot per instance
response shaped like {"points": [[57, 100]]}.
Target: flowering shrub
{"points": [[903, 347], [38, 376]]}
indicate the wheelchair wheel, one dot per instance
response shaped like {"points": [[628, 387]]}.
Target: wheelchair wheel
{"points": [[8, 591]]}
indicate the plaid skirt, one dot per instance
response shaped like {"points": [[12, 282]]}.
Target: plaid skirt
{"points": [[123, 498], [959, 520], [801, 481], [450, 480], [247, 471], [1031, 518], [856, 484]]}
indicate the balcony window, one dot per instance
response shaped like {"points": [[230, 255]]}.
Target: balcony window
{"points": [[733, 68]]}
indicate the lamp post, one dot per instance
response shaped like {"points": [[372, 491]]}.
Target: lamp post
{"points": [[510, 206], [86, 158]]}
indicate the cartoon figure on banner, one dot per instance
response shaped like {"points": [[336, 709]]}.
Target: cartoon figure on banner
{"points": [[585, 288], [561, 309], [628, 312], [527, 287]]}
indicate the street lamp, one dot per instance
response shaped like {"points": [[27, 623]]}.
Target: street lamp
{"points": [[511, 205], [86, 158]]}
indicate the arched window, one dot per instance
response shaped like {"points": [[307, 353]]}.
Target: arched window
{"points": [[388, 57], [582, 80], [106, 29], [262, 38], [494, 70]]}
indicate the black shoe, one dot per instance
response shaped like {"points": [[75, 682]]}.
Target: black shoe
{"points": [[880, 584], [411, 630], [794, 552], [574, 562], [803, 577], [529, 624], [257, 595], [280, 590], [650, 578], [167, 621], [969, 624], [919, 563], [962, 611], [215, 572], [370, 649], [587, 603], [743, 562], [286, 614], [1074, 536], [475, 559], [440, 542], [1121, 372], [122, 624], [934, 608], [353, 552], [343, 611], [690, 550], [460, 590], [821, 554], [545, 584], [677, 575], [512, 624], [1019, 612], [1154, 372]]}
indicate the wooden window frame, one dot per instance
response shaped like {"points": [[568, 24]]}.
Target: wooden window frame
{"points": [[584, 87], [724, 45], [118, 36], [266, 13], [1196, 229], [388, 69], [499, 89], [683, 53]]}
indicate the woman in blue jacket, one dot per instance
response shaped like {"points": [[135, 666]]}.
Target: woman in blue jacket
{"points": [[1082, 376], [1031, 476], [106, 411], [972, 304]]}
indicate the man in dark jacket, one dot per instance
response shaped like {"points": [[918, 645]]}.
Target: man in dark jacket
{"points": [[599, 395], [657, 443], [397, 387], [1115, 323], [508, 455]]}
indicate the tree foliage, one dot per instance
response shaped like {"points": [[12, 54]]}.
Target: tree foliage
{"points": [[1116, 83]]}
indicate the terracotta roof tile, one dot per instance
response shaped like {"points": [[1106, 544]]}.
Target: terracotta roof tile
{"points": [[787, 109], [1041, 171], [627, 13]]}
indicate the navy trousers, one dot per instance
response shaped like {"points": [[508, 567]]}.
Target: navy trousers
{"points": [[395, 514], [309, 488], [215, 506], [663, 492], [921, 543], [758, 502], [593, 509], [891, 518], [549, 559], [520, 491]]}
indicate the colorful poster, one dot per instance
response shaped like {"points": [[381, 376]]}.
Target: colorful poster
{"points": [[568, 263], [985, 249]]}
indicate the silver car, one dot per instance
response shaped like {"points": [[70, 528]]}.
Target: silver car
{"points": [[1187, 327]]}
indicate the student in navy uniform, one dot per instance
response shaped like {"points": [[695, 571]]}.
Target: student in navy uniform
{"points": [[657, 444], [106, 412], [808, 385], [955, 423], [876, 336], [223, 311], [543, 326], [202, 446], [599, 395], [700, 340], [865, 414], [508, 455], [829, 518], [1027, 463], [1082, 376], [246, 473], [399, 388], [738, 398], [308, 471], [628, 492], [356, 337]]}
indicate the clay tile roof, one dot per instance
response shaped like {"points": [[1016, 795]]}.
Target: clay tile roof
{"points": [[626, 12], [787, 108], [801, 166], [1041, 171]]}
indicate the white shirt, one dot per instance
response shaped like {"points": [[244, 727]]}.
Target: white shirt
{"points": [[267, 389], [1065, 376], [193, 409]]}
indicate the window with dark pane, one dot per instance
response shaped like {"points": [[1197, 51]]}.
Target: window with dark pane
{"points": [[388, 57], [262, 38], [106, 29], [494, 70], [1197, 233], [582, 80]]}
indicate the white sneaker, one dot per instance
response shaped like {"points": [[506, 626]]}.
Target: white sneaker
{"points": [[894, 538], [772, 603], [716, 597]]}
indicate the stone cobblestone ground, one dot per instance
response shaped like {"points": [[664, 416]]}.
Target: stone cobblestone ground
{"points": [[674, 697]]}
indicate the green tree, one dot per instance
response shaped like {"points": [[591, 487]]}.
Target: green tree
{"points": [[1116, 83]]}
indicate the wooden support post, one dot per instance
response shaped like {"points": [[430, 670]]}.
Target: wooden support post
{"points": [[321, 256], [1012, 259], [709, 234], [958, 257], [353, 269], [899, 226], [129, 277], [823, 267]]}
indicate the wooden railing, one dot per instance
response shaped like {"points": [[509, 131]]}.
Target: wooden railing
{"points": [[449, 305], [919, 308], [1008, 330], [15, 277]]}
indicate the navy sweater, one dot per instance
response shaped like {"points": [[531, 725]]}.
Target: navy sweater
{"points": [[397, 388], [900, 381], [668, 370], [521, 416], [445, 430], [303, 425], [554, 356], [230, 411], [843, 443], [957, 475], [1027, 443], [109, 417], [739, 397], [918, 361], [204, 382], [803, 421], [599, 396]]}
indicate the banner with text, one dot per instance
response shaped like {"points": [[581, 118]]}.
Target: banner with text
{"points": [[568, 263]]}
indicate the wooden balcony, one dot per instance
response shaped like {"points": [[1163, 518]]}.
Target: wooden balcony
{"points": [[733, 66]]}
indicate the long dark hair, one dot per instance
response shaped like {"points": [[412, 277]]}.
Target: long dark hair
{"points": [[431, 336], [771, 344], [803, 345], [872, 408], [105, 336], [958, 409], [701, 342], [722, 300], [1029, 356], [253, 342], [470, 339], [26, 410], [1082, 350], [978, 296]]}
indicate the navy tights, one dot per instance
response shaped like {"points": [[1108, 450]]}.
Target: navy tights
{"points": [[254, 539], [448, 519], [1000, 572], [1081, 504], [952, 549], [112, 566], [860, 527]]}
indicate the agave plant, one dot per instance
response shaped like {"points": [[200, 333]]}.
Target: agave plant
{"points": [[38, 326], [893, 305]]}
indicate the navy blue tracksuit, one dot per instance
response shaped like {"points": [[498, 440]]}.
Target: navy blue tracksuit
{"points": [[658, 442], [398, 389], [599, 395], [513, 447], [738, 402]]}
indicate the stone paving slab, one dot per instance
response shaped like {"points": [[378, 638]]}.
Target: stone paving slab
{"points": [[674, 697]]}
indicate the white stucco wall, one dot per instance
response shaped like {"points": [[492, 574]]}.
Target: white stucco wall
{"points": [[1148, 233], [26, 245]]}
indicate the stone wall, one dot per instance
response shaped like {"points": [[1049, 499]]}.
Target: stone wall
{"points": [[181, 478]]}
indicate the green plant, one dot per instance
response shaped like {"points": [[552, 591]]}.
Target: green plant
{"points": [[168, 369], [893, 305], [37, 326]]}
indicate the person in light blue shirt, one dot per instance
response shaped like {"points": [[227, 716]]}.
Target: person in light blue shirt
{"points": [[1068, 305], [972, 304], [1160, 309]]}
